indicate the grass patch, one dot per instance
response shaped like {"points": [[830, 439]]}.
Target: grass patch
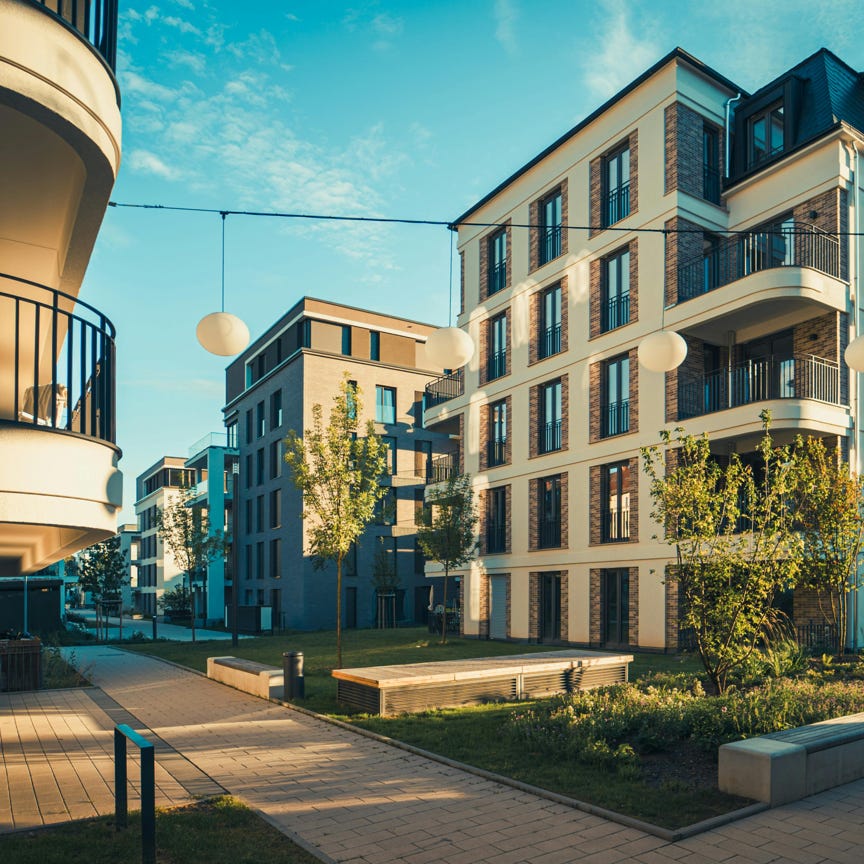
{"points": [[217, 831]]}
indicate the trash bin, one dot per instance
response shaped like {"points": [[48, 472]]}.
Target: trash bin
{"points": [[20, 664], [294, 686]]}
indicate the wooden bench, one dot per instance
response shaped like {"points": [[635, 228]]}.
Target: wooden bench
{"points": [[450, 683], [790, 765], [247, 675]]}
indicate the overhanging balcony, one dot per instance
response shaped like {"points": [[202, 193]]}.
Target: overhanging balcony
{"points": [[94, 20], [445, 388]]}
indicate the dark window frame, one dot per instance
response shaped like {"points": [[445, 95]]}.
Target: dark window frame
{"points": [[496, 252], [550, 244], [616, 194], [550, 428], [496, 347], [615, 310], [615, 521], [615, 413], [549, 512], [551, 321]]}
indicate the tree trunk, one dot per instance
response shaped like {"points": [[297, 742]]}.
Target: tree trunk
{"points": [[339, 612], [192, 606], [444, 616]]}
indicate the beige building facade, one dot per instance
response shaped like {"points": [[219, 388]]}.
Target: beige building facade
{"points": [[683, 203]]}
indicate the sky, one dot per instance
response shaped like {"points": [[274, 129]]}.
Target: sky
{"points": [[397, 109]]}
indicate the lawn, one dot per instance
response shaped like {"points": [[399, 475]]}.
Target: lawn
{"points": [[217, 831]]}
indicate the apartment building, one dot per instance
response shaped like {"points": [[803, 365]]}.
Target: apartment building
{"points": [[130, 544], [270, 388], [60, 489], [682, 203]]}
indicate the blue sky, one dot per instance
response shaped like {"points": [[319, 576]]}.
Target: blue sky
{"points": [[400, 109]]}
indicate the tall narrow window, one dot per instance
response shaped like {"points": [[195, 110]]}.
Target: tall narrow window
{"points": [[275, 460], [496, 520], [497, 434], [276, 558], [615, 310], [346, 340], [374, 345], [550, 512], [260, 421], [615, 592], [304, 334], [615, 502], [497, 348], [249, 426], [615, 405], [550, 322], [385, 404], [275, 508], [550, 228], [550, 417], [497, 253], [710, 164], [765, 134], [616, 186], [390, 465], [351, 400], [423, 460], [276, 409]]}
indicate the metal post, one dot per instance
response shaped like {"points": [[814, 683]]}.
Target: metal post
{"points": [[119, 779], [293, 682], [154, 626], [235, 554], [148, 806]]}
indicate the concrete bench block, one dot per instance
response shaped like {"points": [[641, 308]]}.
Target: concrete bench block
{"points": [[248, 676], [763, 769]]}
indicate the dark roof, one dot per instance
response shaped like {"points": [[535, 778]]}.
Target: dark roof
{"points": [[675, 54]]}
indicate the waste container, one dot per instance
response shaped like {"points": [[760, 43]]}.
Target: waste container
{"points": [[20, 664], [292, 671]]}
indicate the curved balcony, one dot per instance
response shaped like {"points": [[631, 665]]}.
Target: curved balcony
{"points": [[94, 20]]}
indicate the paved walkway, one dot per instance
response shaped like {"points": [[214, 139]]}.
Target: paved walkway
{"points": [[131, 626], [364, 802]]}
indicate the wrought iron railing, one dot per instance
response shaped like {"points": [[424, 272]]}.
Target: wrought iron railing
{"points": [[710, 184], [550, 341], [796, 377], [445, 388], [550, 436], [95, 20], [617, 204], [817, 634], [498, 277], [496, 365], [799, 245], [615, 418], [550, 533], [497, 453], [615, 524], [616, 312], [550, 243], [443, 468], [61, 352], [496, 537]]}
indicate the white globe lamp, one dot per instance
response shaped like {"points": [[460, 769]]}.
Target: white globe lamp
{"points": [[449, 347], [222, 333], [854, 354], [662, 351]]}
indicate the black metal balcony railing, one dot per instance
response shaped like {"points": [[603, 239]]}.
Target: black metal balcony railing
{"points": [[550, 533], [496, 365], [443, 468], [615, 525], [796, 377], [617, 204], [550, 436], [498, 277], [615, 418], [816, 634], [799, 245], [445, 388], [710, 184], [550, 243], [61, 374], [95, 20], [497, 454], [550, 341], [616, 312], [496, 538]]}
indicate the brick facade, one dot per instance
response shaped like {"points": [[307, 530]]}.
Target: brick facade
{"points": [[485, 610], [596, 636], [671, 591], [825, 337], [534, 218], [683, 148], [832, 212], [536, 317], [680, 249], [534, 497], [484, 260]]}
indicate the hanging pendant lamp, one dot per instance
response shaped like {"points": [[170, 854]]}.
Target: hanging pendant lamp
{"points": [[222, 333]]}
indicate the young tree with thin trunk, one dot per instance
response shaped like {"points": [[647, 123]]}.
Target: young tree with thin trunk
{"points": [[339, 474], [102, 571], [446, 529], [185, 529]]}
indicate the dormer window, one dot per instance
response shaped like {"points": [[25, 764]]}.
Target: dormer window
{"points": [[765, 135]]}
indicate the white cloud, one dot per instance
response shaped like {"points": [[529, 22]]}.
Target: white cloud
{"points": [[506, 16], [149, 163], [194, 61]]}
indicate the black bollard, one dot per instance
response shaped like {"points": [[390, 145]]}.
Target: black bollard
{"points": [[294, 685]]}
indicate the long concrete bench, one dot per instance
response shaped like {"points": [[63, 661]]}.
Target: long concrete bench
{"points": [[450, 683], [247, 675], [790, 765]]}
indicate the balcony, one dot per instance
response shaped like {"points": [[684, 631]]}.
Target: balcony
{"points": [[615, 418], [443, 468], [550, 243], [615, 524], [445, 388], [496, 453], [550, 341], [615, 312], [796, 377], [94, 20], [550, 437], [498, 277], [800, 245], [617, 205], [496, 365]]}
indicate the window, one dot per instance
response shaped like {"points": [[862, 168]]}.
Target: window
{"points": [[231, 434], [390, 464], [349, 565], [259, 513], [260, 422], [497, 348], [248, 557], [497, 252], [374, 345], [765, 135], [385, 404], [616, 186], [423, 460], [550, 322], [615, 594], [276, 558], [259, 560], [249, 471], [419, 408], [769, 245], [275, 508], [419, 559], [710, 163], [615, 309], [259, 466], [550, 227], [249, 426], [497, 434], [419, 504], [549, 512], [351, 400], [276, 409], [615, 502], [304, 334], [550, 417], [346, 340], [615, 404], [496, 520], [385, 508], [275, 460]]}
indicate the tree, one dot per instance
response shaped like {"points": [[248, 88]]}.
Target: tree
{"points": [[446, 529], [185, 529], [102, 571], [385, 578], [830, 513], [735, 540], [338, 474]]}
